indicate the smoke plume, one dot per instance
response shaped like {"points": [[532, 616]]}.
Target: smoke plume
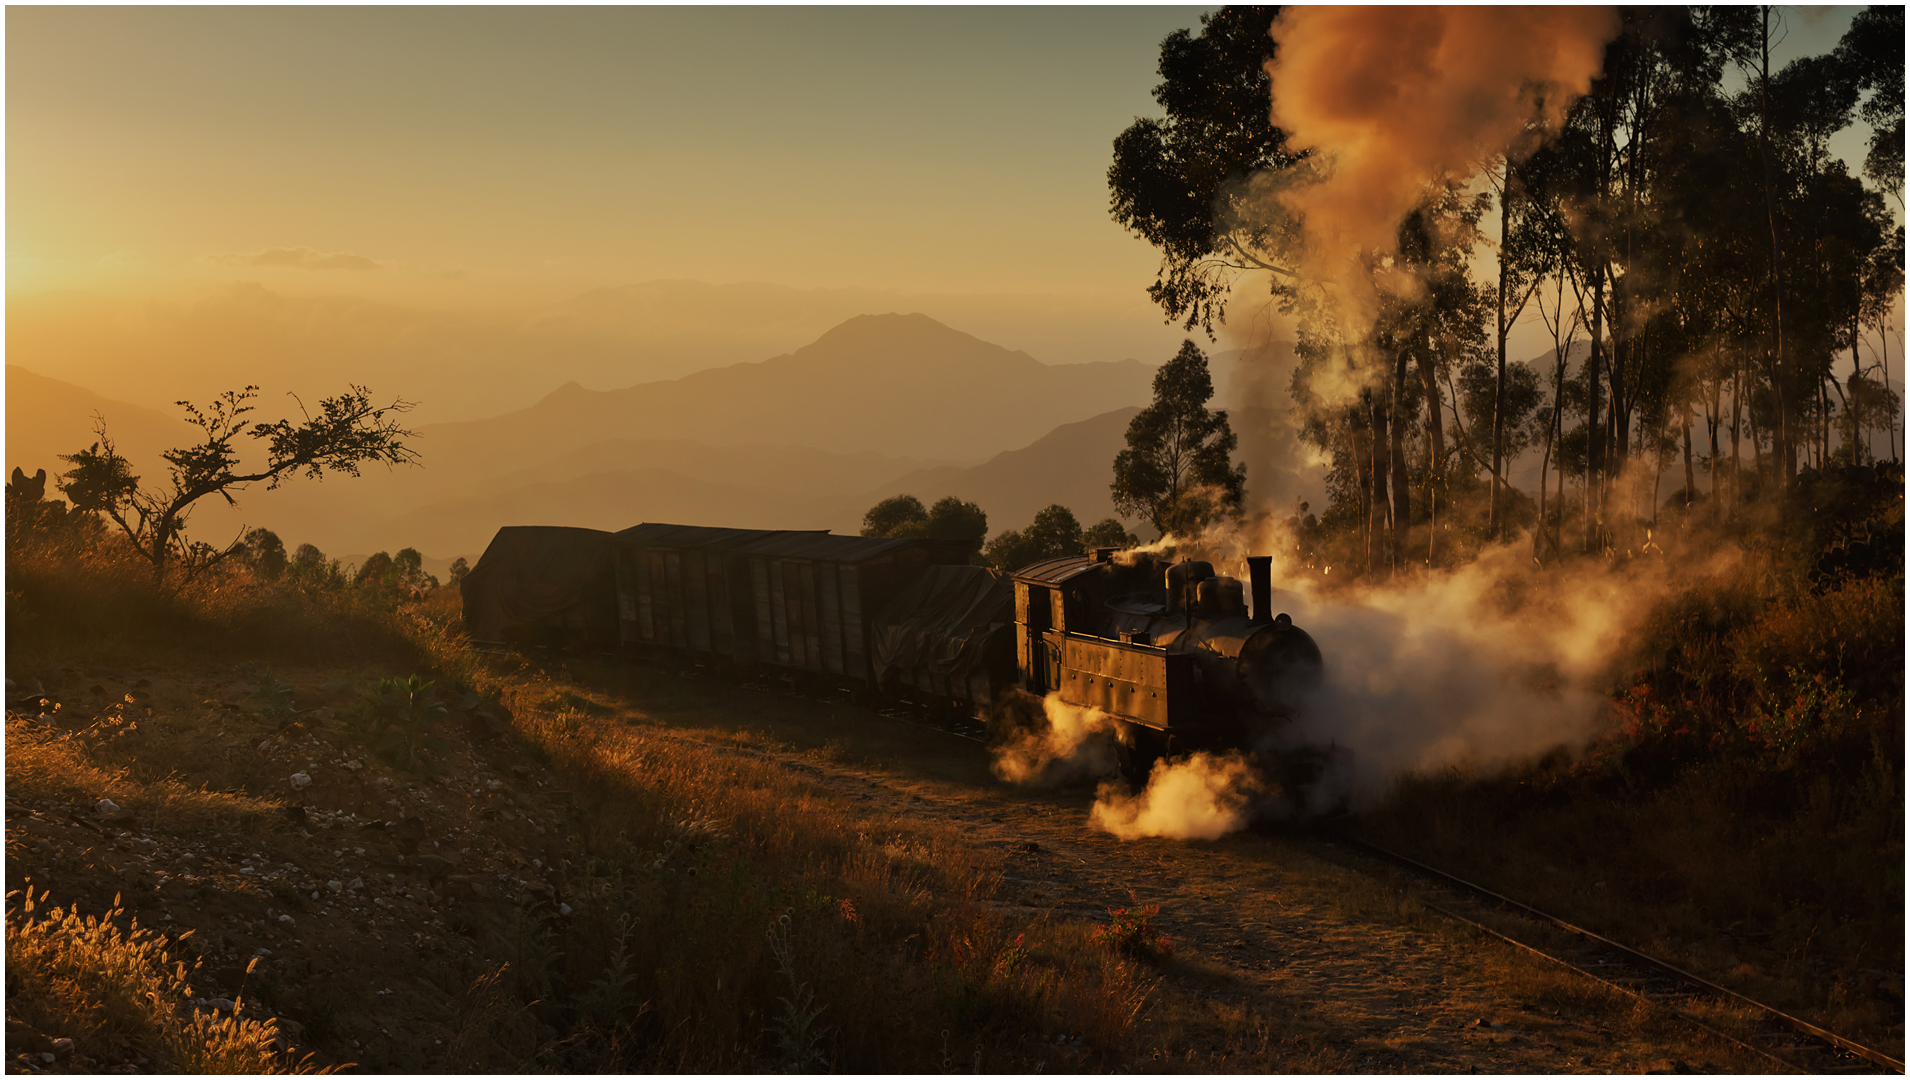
{"points": [[1395, 98], [1199, 798]]}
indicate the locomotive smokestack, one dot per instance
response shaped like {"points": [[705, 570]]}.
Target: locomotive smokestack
{"points": [[1260, 570]]}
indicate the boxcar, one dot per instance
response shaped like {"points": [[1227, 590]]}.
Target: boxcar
{"points": [[802, 600]]}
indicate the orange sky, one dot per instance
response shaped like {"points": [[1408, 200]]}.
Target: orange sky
{"points": [[379, 182], [471, 154]]}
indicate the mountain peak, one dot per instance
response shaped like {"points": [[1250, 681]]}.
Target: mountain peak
{"points": [[895, 341]]}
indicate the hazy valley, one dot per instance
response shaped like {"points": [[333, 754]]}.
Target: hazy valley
{"points": [[890, 404]]}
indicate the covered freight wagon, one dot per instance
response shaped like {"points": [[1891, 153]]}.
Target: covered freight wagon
{"points": [[542, 584]]}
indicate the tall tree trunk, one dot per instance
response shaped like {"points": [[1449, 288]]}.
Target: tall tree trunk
{"points": [[1435, 435], [1402, 490], [1858, 442], [1883, 358], [1783, 446], [1435, 451], [1823, 406], [1594, 450], [1382, 450], [1737, 416], [1558, 529], [1545, 461], [1714, 417], [1363, 465], [1691, 478], [1498, 391]]}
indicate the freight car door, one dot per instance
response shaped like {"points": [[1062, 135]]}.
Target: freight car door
{"points": [[829, 603], [853, 651]]}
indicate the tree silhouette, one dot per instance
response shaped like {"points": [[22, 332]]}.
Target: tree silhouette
{"points": [[263, 549], [348, 431], [951, 519], [892, 513], [1177, 470], [958, 522], [1108, 532], [1052, 534]]}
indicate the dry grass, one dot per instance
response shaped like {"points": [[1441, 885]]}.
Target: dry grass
{"points": [[132, 769], [118, 991], [677, 857], [726, 911], [696, 861]]}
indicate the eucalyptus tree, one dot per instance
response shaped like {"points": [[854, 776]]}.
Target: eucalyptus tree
{"points": [[1872, 52], [1181, 181]]}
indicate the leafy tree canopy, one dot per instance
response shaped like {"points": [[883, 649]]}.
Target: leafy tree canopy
{"points": [[950, 519], [893, 513], [1872, 50], [265, 552], [1108, 532]]}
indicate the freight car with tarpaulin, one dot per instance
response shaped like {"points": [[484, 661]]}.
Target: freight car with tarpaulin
{"points": [[948, 637], [542, 585]]}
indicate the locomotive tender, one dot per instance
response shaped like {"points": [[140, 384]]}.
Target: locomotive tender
{"points": [[1171, 650]]}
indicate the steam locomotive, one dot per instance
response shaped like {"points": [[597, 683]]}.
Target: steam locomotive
{"points": [[1172, 651]]}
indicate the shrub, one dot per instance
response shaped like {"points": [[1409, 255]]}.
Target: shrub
{"points": [[1132, 932]]}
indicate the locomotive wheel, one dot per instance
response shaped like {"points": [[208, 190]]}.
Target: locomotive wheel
{"points": [[1140, 749]]}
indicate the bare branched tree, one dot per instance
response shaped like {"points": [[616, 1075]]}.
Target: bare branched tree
{"points": [[348, 431]]}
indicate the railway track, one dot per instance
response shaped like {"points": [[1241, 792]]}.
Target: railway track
{"points": [[1787, 1041], [1778, 1038]]}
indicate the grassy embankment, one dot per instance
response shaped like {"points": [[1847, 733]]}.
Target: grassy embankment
{"points": [[718, 913]]}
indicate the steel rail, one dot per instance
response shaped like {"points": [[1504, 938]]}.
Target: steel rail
{"points": [[1873, 1056], [1569, 966]]}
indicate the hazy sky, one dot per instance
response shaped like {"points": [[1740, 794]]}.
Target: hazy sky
{"points": [[445, 153], [486, 160]]}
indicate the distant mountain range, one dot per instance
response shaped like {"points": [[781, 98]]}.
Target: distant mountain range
{"points": [[483, 359], [47, 418], [894, 384], [880, 404]]}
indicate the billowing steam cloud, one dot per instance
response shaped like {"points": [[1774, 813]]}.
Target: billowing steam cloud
{"points": [[1478, 667], [1200, 798], [1395, 98], [1077, 744]]}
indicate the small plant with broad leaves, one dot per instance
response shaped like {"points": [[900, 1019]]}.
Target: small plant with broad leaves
{"points": [[275, 698], [398, 716], [1131, 932]]}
